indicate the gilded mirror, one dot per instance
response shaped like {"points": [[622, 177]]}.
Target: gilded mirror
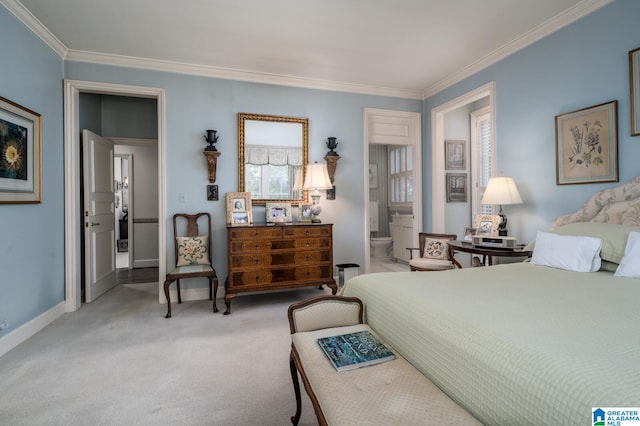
{"points": [[272, 154]]}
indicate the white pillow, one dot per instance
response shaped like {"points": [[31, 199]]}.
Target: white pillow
{"points": [[630, 263], [573, 253]]}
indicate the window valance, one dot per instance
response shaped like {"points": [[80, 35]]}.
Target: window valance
{"points": [[277, 156]]}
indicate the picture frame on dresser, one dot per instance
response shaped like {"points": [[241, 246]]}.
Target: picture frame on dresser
{"points": [[486, 224], [278, 212], [239, 208], [304, 213]]}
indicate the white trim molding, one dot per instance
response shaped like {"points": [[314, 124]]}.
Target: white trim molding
{"points": [[72, 177], [25, 331]]}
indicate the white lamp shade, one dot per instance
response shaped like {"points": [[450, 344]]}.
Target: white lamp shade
{"points": [[317, 177], [501, 190]]}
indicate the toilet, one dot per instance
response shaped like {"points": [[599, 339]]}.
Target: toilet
{"points": [[380, 246]]}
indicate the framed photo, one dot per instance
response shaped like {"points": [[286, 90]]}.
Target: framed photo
{"points": [[587, 145], [212, 192], [455, 153], [468, 234], [20, 154], [239, 208], [304, 212], [634, 85], [486, 224], [456, 187], [278, 212]]}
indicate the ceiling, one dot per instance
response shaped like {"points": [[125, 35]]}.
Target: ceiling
{"points": [[406, 48]]}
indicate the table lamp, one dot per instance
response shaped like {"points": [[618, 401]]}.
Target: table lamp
{"points": [[501, 190], [316, 178]]}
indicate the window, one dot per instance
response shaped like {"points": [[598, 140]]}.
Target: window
{"points": [[482, 158], [400, 175], [269, 179]]}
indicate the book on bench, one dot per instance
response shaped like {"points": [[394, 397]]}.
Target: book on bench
{"points": [[354, 350]]}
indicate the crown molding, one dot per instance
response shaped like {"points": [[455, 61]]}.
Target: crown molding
{"points": [[239, 75], [569, 16], [34, 24]]}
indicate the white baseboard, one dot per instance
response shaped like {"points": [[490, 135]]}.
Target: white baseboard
{"points": [[25, 331], [146, 263]]}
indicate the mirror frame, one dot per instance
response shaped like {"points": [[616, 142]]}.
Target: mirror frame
{"points": [[242, 117]]}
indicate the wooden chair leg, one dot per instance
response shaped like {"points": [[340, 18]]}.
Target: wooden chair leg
{"points": [[179, 296], [167, 283], [215, 291], [296, 388]]}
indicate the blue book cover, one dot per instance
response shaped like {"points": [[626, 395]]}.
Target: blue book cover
{"points": [[354, 350]]}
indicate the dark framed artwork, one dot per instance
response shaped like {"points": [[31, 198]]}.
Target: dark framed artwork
{"points": [[20, 154], [587, 145], [455, 153], [456, 187], [634, 85], [212, 192]]}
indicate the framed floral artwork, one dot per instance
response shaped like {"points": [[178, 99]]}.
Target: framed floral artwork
{"points": [[20, 154], [634, 85], [587, 145]]}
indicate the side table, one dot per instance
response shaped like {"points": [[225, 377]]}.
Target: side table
{"points": [[487, 253]]}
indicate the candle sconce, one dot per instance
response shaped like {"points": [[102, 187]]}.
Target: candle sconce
{"points": [[211, 153], [331, 158]]}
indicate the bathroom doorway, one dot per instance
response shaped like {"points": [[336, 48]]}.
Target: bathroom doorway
{"points": [[392, 188]]}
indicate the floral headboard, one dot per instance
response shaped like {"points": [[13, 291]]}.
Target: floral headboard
{"points": [[614, 205]]}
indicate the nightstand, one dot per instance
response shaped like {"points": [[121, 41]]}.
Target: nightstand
{"points": [[487, 253]]}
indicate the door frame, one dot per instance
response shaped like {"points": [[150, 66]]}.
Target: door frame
{"points": [[416, 142], [72, 197], [438, 194]]}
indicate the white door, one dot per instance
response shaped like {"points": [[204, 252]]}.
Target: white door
{"points": [[99, 215]]}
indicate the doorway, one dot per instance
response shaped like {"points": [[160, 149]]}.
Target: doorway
{"points": [[73, 217], [392, 153]]}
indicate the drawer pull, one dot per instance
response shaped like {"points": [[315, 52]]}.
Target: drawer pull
{"points": [[257, 234], [308, 273], [257, 246], [257, 278], [257, 261], [308, 257], [308, 245]]}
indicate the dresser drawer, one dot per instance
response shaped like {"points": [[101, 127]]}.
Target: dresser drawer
{"points": [[251, 260], [311, 243], [303, 273], [251, 278], [255, 233], [307, 231], [243, 246], [314, 256]]}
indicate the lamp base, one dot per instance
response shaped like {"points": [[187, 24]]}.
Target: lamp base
{"points": [[503, 232]]}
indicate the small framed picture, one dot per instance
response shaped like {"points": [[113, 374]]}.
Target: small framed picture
{"points": [[304, 212], [468, 234], [456, 187], [455, 155], [487, 224], [212, 192], [239, 208], [278, 212]]}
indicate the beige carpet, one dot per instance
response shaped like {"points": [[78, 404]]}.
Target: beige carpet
{"points": [[118, 361]]}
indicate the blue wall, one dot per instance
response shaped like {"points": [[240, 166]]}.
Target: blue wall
{"points": [[581, 65], [32, 235]]}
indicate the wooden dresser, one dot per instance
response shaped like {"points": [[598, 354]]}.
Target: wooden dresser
{"points": [[270, 257]]}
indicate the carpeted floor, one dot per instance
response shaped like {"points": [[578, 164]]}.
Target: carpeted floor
{"points": [[118, 361]]}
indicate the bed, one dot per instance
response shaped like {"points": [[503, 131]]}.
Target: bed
{"points": [[524, 343]]}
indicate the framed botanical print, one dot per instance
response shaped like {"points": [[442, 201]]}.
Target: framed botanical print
{"points": [[587, 145], [455, 155], [20, 154], [634, 86], [456, 187]]}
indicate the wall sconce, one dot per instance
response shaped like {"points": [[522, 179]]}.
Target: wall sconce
{"points": [[316, 178], [211, 153], [331, 158]]}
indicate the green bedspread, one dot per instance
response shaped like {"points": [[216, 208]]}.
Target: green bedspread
{"points": [[516, 343]]}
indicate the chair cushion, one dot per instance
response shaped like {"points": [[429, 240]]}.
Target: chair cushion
{"points": [[190, 269], [432, 264], [435, 248], [193, 250]]}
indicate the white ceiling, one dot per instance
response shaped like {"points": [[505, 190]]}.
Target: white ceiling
{"points": [[407, 48]]}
